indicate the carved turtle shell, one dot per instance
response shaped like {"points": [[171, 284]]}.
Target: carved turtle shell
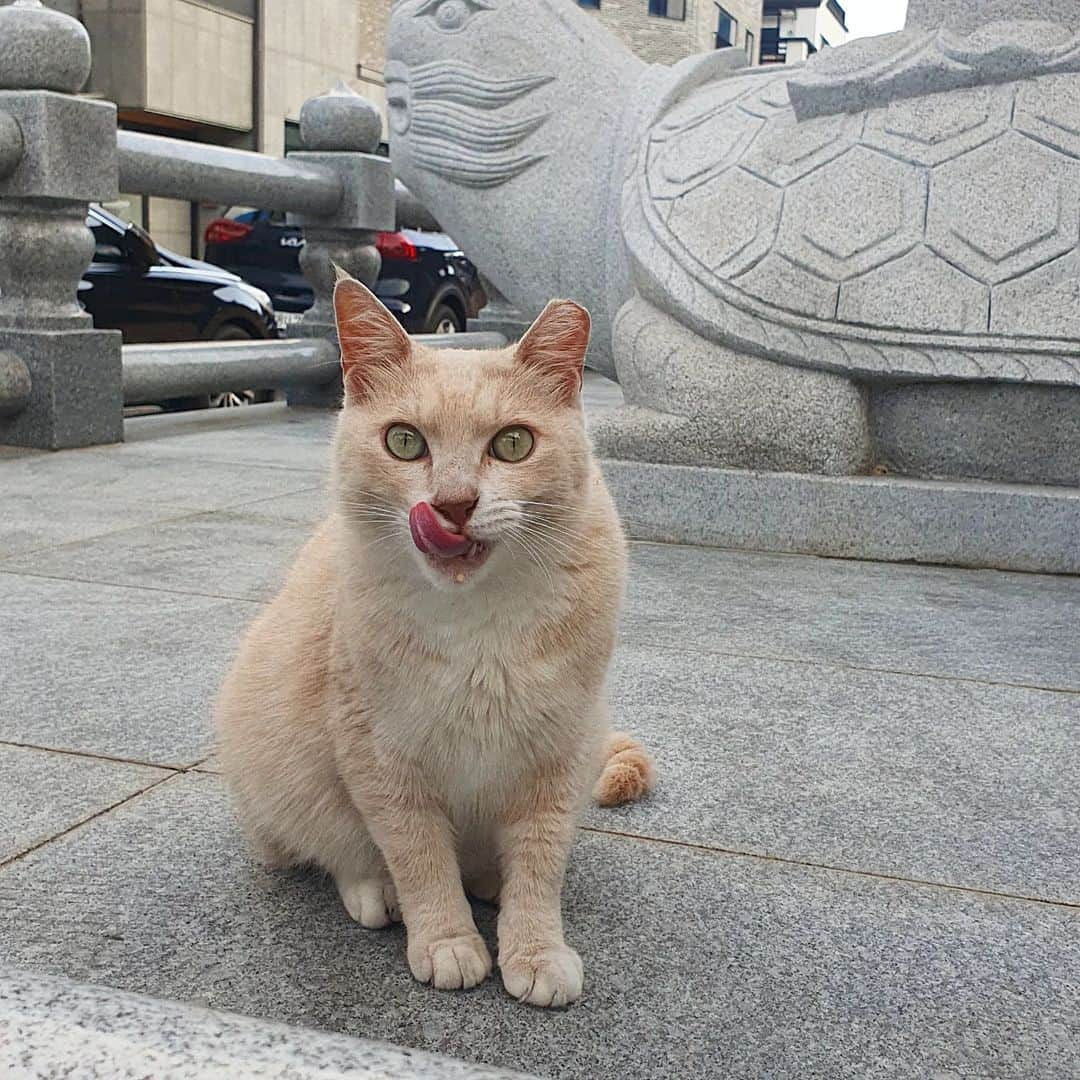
{"points": [[928, 237]]}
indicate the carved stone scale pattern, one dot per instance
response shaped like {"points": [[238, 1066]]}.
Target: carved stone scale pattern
{"points": [[935, 237]]}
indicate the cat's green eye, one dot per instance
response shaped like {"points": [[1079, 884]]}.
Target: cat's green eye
{"points": [[512, 444], [405, 443]]}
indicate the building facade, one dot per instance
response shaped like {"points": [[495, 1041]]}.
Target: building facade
{"points": [[792, 30], [229, 72], [372, 20], [666, 31]]}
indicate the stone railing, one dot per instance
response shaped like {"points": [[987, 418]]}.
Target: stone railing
{"points": [[64, 383]]}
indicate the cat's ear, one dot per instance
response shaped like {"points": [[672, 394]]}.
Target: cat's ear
{"points": [[554, 347], [371, 339]]}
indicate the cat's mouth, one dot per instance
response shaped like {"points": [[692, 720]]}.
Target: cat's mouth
{"points": [[452, 553]]}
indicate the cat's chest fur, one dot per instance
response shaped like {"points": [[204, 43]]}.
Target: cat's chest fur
{"points": [[480, 707]]}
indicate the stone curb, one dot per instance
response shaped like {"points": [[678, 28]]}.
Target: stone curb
{"points": [[51, 1027], [889, 519]]}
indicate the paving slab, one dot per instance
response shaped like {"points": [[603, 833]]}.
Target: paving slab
{"points": [[981, 624], [271, 436], [961, 783], [72, 1030], [128, 673], [46, 793], [242, 554], [108, 476], [31, 522], [697, 964]]}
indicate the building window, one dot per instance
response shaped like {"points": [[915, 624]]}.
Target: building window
{"points": [[668, 9], [726, 29], [750, 58], [292, 137], [588, 3]]}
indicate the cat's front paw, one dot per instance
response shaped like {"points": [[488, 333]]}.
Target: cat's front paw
{"points": [[454, 963], [549, 976]]}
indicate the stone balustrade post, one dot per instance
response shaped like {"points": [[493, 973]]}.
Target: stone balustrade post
{"points": [[340, 130], [57, 153]]}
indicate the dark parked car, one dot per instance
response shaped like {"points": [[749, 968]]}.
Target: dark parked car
{"points": [[426, 281], [152, 294]]}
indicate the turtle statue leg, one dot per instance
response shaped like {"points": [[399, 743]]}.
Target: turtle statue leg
{"points": [[692, 402]]}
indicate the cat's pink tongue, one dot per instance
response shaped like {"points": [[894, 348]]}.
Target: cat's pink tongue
{"points": [[431, 538]]}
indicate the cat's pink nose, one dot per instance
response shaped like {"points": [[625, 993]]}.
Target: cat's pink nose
{"points": [[457, 512]]}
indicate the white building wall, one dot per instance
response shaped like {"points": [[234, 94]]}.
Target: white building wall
{"points": [[801, 28]]}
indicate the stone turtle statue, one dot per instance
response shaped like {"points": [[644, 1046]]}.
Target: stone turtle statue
{"points": [[870, 261]]}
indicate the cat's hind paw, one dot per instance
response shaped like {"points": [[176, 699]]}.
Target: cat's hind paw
{"points": [[455, 963], [372, 902], [628, 772], [550, 977]]}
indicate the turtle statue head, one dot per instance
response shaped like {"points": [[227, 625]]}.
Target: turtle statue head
{"points": [[504, 120]]}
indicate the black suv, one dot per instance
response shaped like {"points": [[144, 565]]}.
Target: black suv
{"points": [[152, 294], [426, 280]]}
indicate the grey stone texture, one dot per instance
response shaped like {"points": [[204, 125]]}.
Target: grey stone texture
{"points": [[15, 385], [775, 311], [1022, 434], [179, 168], [67, 157], [972, 625], [340, 120], [736, 410], [68, 146], [42, 48], [502, 127], [860, 858], [698, 963], [238, 554], [66, 1029], [46, 793], [863, 774], [337, 125], [76, 397], [131, 672], [967, 15], [11, 144], [954, 523], [153, 373], [367, 200]]}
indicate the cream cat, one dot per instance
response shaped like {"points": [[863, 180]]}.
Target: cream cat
{"points": [[421, 709]]}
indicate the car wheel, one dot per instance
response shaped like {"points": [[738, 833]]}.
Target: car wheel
{"points": [[233, 399], [445, 320]]}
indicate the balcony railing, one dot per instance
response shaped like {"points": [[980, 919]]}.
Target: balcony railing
{"points": [[64, 383]]}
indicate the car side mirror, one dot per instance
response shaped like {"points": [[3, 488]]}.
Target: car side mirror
{"points": [[141, 252]]}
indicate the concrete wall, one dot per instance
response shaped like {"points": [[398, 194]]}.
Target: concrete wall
{"points": [[665, 41], [199, 63], [372, 18], [307, 47]]}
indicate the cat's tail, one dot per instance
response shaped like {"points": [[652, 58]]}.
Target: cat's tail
{"points": [[628, 772]]}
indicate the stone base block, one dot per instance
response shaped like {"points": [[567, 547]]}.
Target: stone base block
{"points": [[953, 523], [797, 433], [1004, 431], [76, 396], [694, 402]]}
